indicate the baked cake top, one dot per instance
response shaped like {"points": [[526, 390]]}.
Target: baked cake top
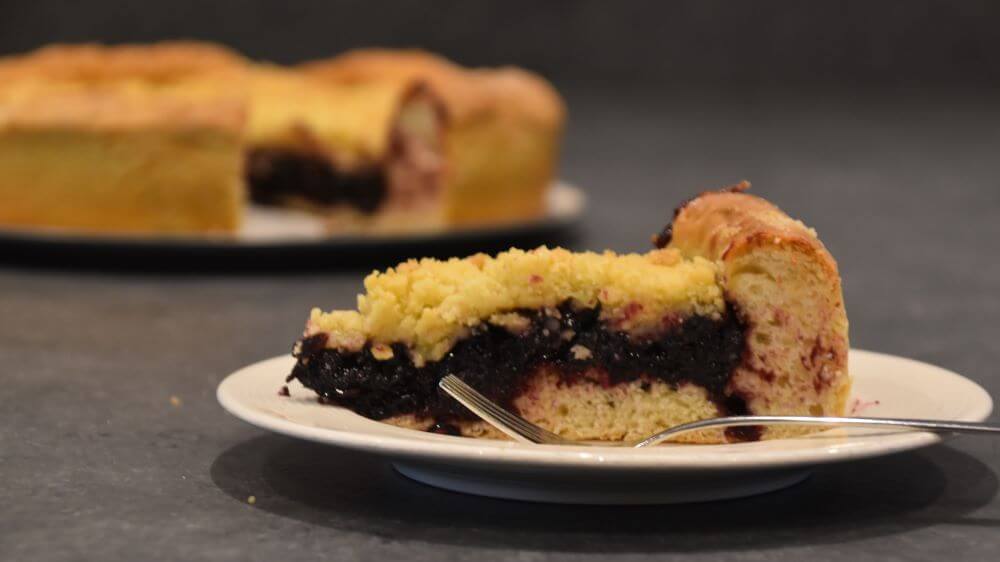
{"points": [[115, 110], [89, 62], [349, 122], [171, 85], [430, 304], [467, 93]]}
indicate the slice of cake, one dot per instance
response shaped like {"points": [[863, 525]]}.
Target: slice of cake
{"points": [[501, 132], [739, 311]]}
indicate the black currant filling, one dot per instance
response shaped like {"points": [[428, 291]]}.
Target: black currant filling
{"points": [[499, 363], [275, 176]]}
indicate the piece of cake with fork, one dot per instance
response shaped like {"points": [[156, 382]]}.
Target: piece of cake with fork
{"points": [[500, 136], [738, 311]]}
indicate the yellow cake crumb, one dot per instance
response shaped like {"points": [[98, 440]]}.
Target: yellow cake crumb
{"points": [[429, 304], [382, 352]]}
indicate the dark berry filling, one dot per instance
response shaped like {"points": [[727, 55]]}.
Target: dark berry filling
{"points": [[499, 363], [276, 175]]}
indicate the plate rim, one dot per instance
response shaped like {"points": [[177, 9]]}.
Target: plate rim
{"points": [[498, 453]]}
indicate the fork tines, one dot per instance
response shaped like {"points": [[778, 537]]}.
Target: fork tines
{"points": [[511, 424]]}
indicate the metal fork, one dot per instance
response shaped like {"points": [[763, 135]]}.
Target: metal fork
{"points": [[522, 430]]}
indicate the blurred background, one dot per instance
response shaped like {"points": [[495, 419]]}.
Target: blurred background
{"points": [[680, 44], [876, 122], [810, 101]]}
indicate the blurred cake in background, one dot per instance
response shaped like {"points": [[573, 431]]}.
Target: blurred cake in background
{"points": [[738, 311], [502, 129], [175, 137], [130, 139]]}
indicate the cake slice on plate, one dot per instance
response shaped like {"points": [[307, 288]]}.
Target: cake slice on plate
{"points": [[738, 311]]}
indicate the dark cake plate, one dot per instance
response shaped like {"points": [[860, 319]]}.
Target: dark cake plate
{"points": [[884, 385], [280, 236]]}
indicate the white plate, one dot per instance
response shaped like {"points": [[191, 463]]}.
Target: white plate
{"points": [[278, 229], [884, 386]]}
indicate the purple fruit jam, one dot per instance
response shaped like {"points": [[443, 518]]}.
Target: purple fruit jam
{"points": [[274, 175], [498, 363]]}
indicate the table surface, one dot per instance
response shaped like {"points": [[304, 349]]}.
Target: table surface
{"points": [[99, 463]]}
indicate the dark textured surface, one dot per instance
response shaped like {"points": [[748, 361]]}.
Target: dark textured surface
{"points": [[97, 463], [721, 42]]}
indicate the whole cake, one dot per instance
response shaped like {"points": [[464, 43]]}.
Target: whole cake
{"points": [[130, 138], [737, 311]]}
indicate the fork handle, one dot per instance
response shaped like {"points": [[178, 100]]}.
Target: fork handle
{"points": [[937, 426]]}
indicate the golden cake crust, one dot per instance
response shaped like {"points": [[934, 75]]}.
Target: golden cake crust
{"points": [[466, 92], [159, 62], [111, 110], [124, 139], [176, 85], [721, 224], [787, 286], [121, 178]]}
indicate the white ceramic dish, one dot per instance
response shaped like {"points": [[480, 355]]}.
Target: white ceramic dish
{"points": [[885, 386]]}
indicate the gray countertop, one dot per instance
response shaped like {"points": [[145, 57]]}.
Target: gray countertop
{"points": [[98, 463]]}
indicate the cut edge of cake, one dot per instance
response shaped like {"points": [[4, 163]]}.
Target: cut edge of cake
{"points": [[363, 157], [385, 152], [502, 132]]}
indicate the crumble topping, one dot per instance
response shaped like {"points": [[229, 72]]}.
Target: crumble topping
{"points": [[428, 305]]}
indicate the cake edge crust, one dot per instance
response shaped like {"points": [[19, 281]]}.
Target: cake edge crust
{"points": [[761, 250]]}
